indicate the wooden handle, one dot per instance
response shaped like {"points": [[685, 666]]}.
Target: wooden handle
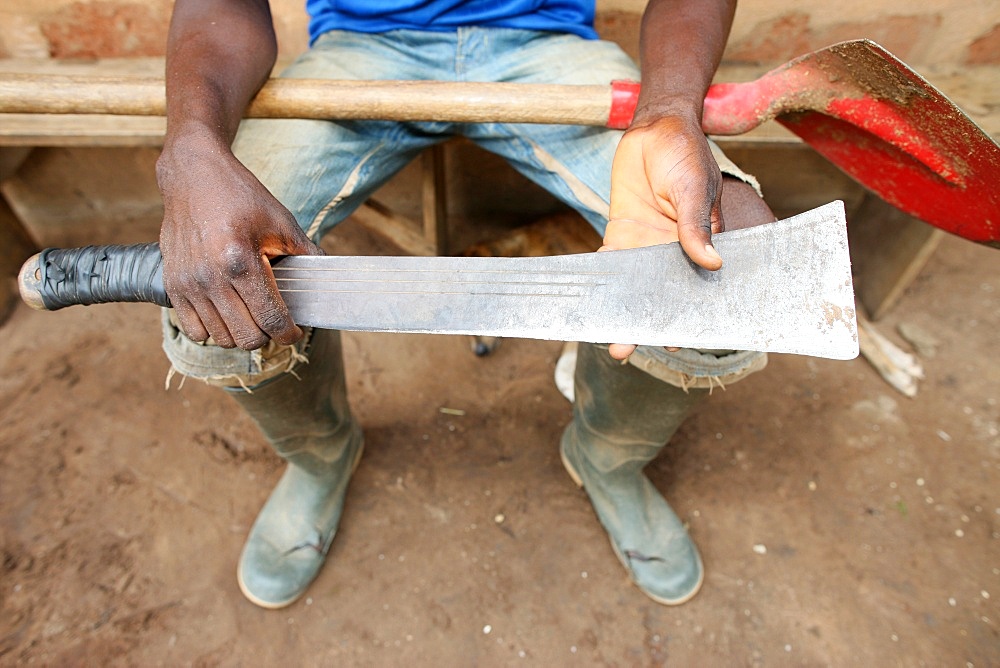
{"points": [[29, 283], [461, 102]]}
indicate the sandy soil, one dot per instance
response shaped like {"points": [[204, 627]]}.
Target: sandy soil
{"points": [[841, 523]]}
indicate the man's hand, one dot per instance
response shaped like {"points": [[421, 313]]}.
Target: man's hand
{"points": [[220, 228], [665, 187], [220, 224]]}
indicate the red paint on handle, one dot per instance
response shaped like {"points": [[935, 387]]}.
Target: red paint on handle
{"points": [[624, 96]]}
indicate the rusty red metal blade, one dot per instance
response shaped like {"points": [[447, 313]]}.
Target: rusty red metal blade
{"points": [[882, 124]]}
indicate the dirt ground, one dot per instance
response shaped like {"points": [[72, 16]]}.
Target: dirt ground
{"points": [[840, 522]]}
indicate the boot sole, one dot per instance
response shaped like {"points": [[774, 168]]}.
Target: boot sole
{"points": [[271, 605], [621, 557]]}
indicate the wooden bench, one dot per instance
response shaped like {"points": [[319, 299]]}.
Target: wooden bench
{"points": [[884, 268]]}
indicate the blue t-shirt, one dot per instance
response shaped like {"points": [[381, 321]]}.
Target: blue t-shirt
{"points": [[563, 16]]}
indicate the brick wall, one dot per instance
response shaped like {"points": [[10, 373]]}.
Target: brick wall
{"points": [[112, 28]]}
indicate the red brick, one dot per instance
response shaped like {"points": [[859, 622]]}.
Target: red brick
{"points": [[792, 35], [772, 40], [108, 30]]}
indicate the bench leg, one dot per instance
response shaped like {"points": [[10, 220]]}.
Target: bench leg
{"points": [[430, 238], [16, 246], [434, 199], [16, 243], [888, 250]]}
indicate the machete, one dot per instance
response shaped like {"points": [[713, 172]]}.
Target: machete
{"points": [[784, 287]]}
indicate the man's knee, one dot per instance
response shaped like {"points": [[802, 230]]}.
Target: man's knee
{"points": [[742, 200], [742, 206], [228, 367], [701, 369]]}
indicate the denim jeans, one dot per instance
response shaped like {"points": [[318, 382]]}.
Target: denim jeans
{"points": [[323, 170]]}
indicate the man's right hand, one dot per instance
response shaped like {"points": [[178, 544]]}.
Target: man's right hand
{"points": [[220, 228]]}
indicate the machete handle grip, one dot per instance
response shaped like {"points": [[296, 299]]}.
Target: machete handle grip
{"points": [[60, 277]]}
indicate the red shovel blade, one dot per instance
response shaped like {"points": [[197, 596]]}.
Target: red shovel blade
{"points": [[881, 123]]}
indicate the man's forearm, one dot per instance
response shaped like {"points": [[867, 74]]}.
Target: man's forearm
{"points": [[680, 48], [219, 54]]}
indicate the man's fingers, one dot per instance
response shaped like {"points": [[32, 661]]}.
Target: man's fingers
{"points": [[621, 351], [267, 308], [250, 320], [213, 322], [188, 320], [241, 322]]}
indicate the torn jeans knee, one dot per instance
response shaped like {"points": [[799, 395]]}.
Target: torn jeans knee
{"points": [[702, 369], [730, 168], [225, 367]]}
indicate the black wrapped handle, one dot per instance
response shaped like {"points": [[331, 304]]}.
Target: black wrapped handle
{"points": [[60, 277]]}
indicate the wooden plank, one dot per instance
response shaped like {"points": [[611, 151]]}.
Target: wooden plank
{"points": [[888, 250], [400, 230], [11, 159], [81, 130], [96, 67]]}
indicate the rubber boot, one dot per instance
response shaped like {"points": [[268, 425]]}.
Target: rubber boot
{"points": [[308, 421], [622, 418]]}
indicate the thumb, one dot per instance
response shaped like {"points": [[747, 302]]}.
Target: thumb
{"points": [[695, 223]]}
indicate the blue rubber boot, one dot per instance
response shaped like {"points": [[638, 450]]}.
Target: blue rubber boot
{"points": [[622, 418], [307, 419]]}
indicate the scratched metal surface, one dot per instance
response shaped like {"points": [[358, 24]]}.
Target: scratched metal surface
{"points": [[784, 287]]}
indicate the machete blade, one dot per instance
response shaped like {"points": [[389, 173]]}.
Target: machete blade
{"points": [[784, 287]]}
